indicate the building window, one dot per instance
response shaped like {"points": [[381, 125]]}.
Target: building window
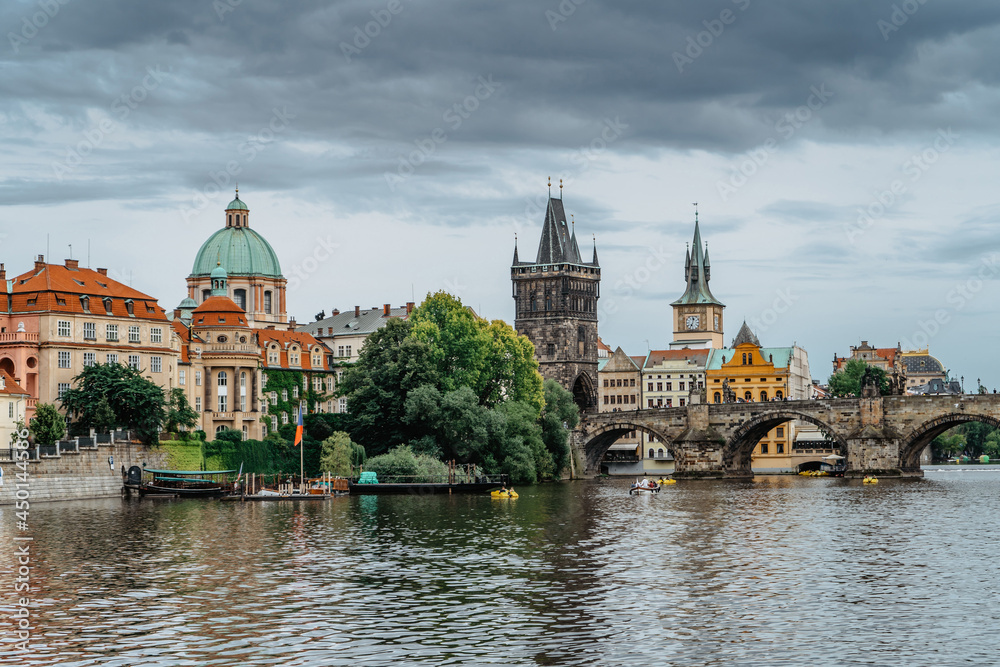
{"points": [[605, 400], [197, 403], [682, 403], [63, 328], [133, 334], [342, 405], [348, 350], [779, 395], [718, 397], [243, 392], [112, 358], [659, 403], [659, 386], [240, 297], [111, 331], [274, 423], [633, 399], [650, 402], [197, 378], [650, 452], [205, 293], [649, 386], [246, 432], [182, 377], [223, 402], [763, 448], [89, 331], [680, 386], [284, 395], [10, 410], [64, 359], [293, 359], [631, 382], [780, 432], [156, 335], [781, 448], [274, 397], [63, 387], [156, 364], [747, 397], [89, 358], [317, 384], [340, 350], [295, 391], [329, 406], [284, 417], [763, 397], [317, 360], [329, 385]]}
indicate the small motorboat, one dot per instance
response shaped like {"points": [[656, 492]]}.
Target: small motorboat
{"points": [[645, 486]]}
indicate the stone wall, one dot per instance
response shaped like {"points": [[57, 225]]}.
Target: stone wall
{"points": [[83, 474]]}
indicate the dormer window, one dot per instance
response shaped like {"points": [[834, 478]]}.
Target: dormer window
{"points": [[85, 303], [130, 306], [107, 305]]}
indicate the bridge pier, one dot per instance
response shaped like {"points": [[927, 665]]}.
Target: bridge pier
{"points": [[698, 455]]}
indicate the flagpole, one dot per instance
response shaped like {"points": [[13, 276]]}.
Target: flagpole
{"points": [[302, 447]]}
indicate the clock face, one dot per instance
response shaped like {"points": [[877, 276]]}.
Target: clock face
{"points": [[692, 322]]}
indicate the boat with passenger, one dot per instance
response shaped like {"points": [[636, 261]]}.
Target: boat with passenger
{"points": [[368, 483], [644, 486], [179, 483]]}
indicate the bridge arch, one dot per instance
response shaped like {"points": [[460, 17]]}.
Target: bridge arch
{"points": [[738, 449], [584, 391], [914, 442], [598, 441]]}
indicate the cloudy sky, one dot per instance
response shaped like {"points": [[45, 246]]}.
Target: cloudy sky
{"points": [[843, 154]]}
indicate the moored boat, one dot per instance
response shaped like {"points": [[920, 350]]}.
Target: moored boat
{"points": [[179, 483]]}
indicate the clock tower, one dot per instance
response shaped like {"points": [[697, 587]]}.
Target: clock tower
{"points": [[697, 314]]}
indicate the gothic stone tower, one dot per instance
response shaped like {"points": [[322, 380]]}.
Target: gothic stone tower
{"points": [[555, 301], [697, 314]]}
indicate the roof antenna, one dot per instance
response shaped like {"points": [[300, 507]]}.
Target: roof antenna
{"points": [[560, 189], [550, 187], [71, 251]]}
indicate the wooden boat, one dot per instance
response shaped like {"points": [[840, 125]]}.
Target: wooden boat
{"points": [[179, 483], [644, 487]]}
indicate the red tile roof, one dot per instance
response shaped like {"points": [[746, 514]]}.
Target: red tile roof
{"points": [[219, 311], [185, 335], [11, 387], [60, 289], [284, 340]]}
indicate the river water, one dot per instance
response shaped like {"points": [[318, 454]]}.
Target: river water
{"points": [[779, 571]]}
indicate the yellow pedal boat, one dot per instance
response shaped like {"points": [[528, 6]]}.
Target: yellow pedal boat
{"points": [[508, 493]]}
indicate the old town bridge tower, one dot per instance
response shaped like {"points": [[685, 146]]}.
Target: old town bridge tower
{"points": [[555, 301]]}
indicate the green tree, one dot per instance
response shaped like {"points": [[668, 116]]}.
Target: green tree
{"points": [[390, 366], [976, 434], [948, 444], [401, 464], [103, 416], [229, 435], [847, 381], [137, 403], [335, 457], [180, 415], [560, 416], [47, 425]]}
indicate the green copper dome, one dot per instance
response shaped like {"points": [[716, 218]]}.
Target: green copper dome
{"points": [[237, 204], [240, 250]]}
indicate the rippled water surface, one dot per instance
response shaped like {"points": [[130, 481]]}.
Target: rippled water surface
{"points": [[783, 570]]}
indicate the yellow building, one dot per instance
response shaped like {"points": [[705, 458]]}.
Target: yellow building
{"points": [[750, 373]]}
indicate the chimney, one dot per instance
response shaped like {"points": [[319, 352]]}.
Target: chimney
{"points": [[385, 310], [335, 312], [72, 263], [329, 331], [357, 311], [39, 263], [103, 272], [3, 273], [409, 307], [177, 313]]}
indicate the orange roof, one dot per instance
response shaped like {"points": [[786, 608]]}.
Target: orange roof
{"points": [[63, 289], [659, 356], [268, 338], [10, 386], [185, 335], [219, 311]]}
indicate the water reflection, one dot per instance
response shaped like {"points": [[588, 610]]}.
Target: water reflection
{"points": [[780, 570]]}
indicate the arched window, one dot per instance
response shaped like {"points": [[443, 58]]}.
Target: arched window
{"points": [[243, 394], [267, 302], [244, 218], [748, 397], [763, 397], [230, 219], [205, 293], [223, 379], [240, 297], [220, 428], [223, 398], [659, 453], [778, 395], [718, 397], [650, 452], [246, 432], [744, 358]]}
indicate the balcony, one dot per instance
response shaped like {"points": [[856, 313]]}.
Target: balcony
{"points": [[18, 337]]}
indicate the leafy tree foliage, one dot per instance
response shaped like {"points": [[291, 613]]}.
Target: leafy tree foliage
{"points": [[847, 381], [136, 402], [560, 415], [339, 455], [47, 425], [403, 465], [229, 435], [180, 415], [104, 416]]}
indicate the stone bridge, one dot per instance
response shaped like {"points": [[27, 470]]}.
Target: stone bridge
{"points": [[882, 435]]}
